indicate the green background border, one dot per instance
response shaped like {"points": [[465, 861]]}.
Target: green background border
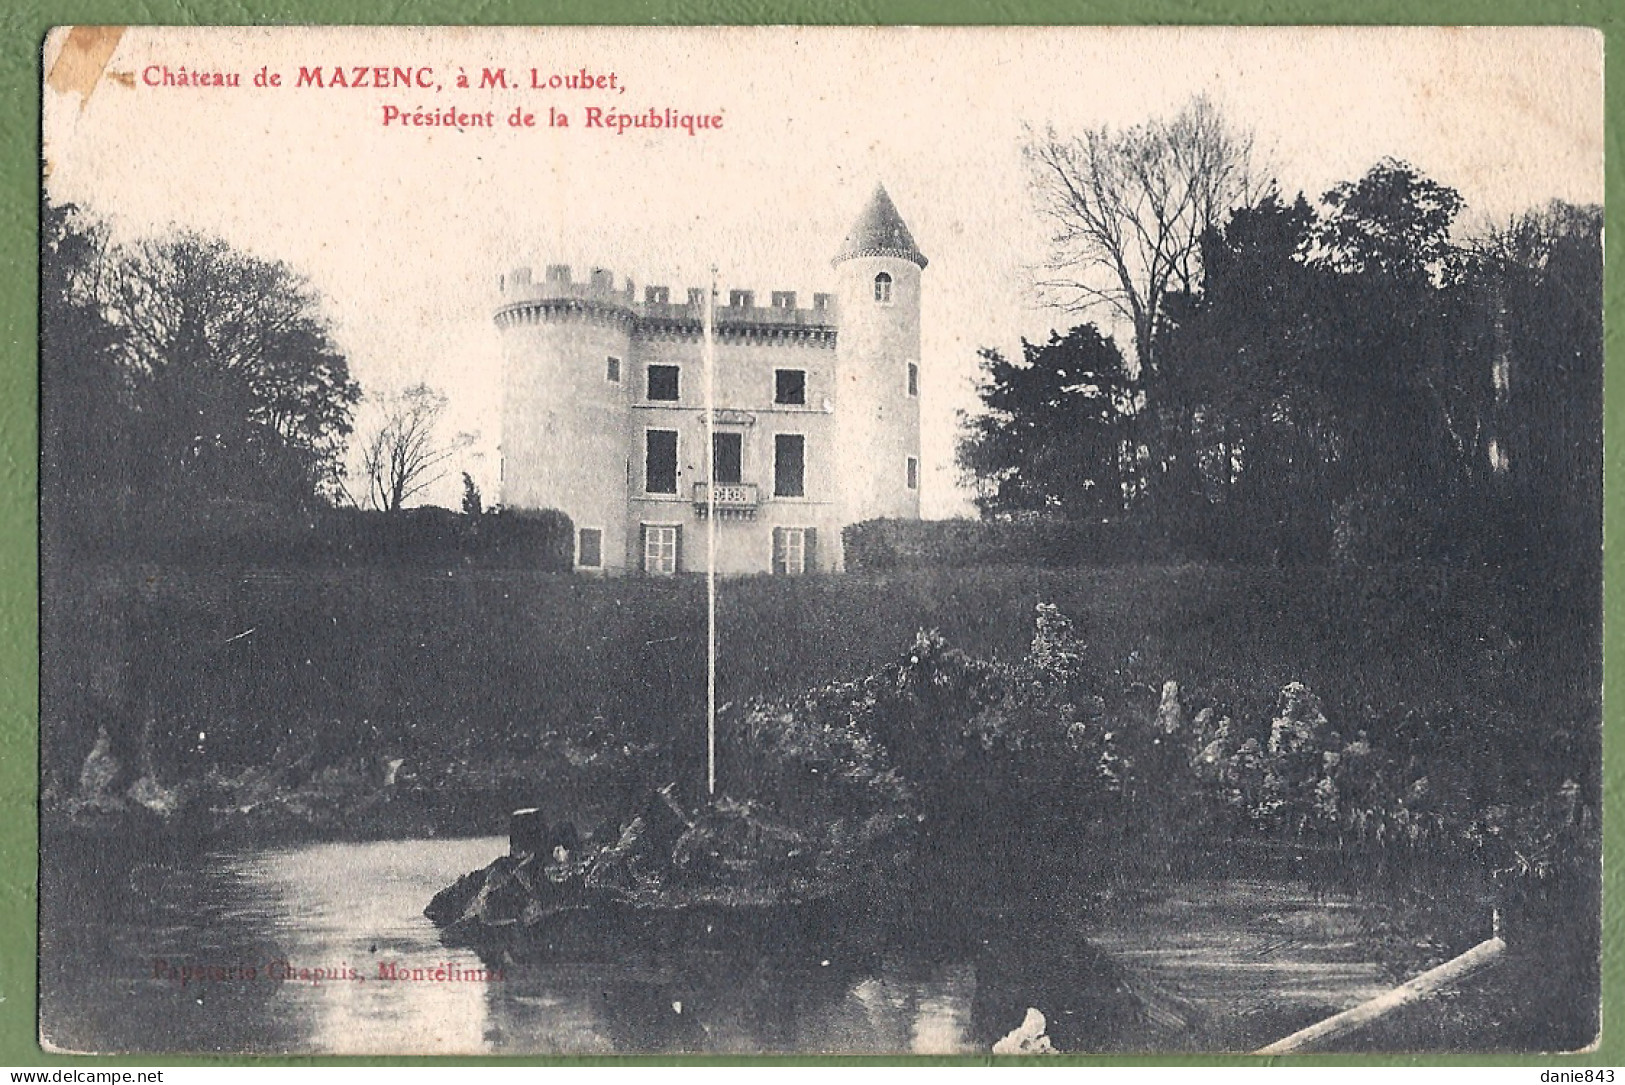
{"points": [[22, 31]]}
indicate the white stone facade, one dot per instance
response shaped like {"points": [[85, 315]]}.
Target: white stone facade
{"points": [[817, 411]]}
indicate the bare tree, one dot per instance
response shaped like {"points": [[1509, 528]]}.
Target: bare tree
{"points": [[1129, 209], [404, 454]]}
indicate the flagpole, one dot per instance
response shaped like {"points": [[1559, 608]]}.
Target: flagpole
{"points": [[711, 540]]}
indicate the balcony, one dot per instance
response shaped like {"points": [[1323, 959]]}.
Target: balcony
{"points": [[734, 500]]}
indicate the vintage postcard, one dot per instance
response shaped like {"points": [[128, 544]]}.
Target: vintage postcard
{"points": [[821, 541]]}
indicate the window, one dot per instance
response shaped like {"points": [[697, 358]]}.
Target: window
{"points": [[661, 548], [790, 386], [590, 548], [913, 379], [727, 456], [795, 550], [789, 465], [784, 299], [913, 473], [612, 369], [657, 295], [883, 288], [660, 461], [663, 381], [741, 299]]}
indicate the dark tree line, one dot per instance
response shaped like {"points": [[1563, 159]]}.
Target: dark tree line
{"points": [[1341, 381], [179, 376]]}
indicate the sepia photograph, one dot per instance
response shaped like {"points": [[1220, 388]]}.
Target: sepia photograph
{"points": [[1001, 541]]}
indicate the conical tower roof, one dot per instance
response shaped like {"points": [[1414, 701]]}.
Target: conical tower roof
{"points": [[880, 231]]}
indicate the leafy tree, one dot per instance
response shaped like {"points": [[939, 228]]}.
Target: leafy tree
{"points": [[473, 506], [1540, 281], [1392, 355], [1392, 222], [175, 373], [404, 454], [237, 387], [1345, 378], [85, 396], [1325, 364], [1246, 439], [1356, 371], [1538, 284], [1052, 437], [1129, 209]]}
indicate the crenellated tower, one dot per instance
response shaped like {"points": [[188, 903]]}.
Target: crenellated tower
{"points": [[877, 364], [565, 427], [817, 420]]}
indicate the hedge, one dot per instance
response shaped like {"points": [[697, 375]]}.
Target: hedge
{"points": [[882, 545], [241, 533]]}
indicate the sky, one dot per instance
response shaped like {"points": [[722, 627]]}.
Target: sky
{"points": [[405, 229]]}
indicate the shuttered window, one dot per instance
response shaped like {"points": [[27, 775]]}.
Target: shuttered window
{"points": [[662, 549], [795, 550]]}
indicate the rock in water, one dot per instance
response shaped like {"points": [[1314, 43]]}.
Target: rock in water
{"points": [[629, 862], [101, 768], [1300, 723], [739, 845], [451, 903], [1029, 1037], [1170, 714], [502, 897], [154, 797]]}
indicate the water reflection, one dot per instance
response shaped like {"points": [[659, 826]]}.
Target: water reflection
{"points": [[322, 925], [287, 950], [357, 908]]}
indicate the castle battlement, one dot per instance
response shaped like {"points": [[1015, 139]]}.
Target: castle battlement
{"points": [[560, 294], [814, 421]]}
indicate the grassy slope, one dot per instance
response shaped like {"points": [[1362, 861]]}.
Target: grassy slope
{"points": [[412, 663]]}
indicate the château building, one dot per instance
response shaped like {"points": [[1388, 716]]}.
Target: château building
{"points": [[817, 410]]}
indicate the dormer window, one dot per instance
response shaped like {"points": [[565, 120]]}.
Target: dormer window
{"points": [[883, 288]]}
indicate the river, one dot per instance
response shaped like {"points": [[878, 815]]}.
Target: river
{"points": [[293, 949]]}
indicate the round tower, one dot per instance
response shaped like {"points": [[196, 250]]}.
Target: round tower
{"points": [[565, 378], [877, 366]]}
